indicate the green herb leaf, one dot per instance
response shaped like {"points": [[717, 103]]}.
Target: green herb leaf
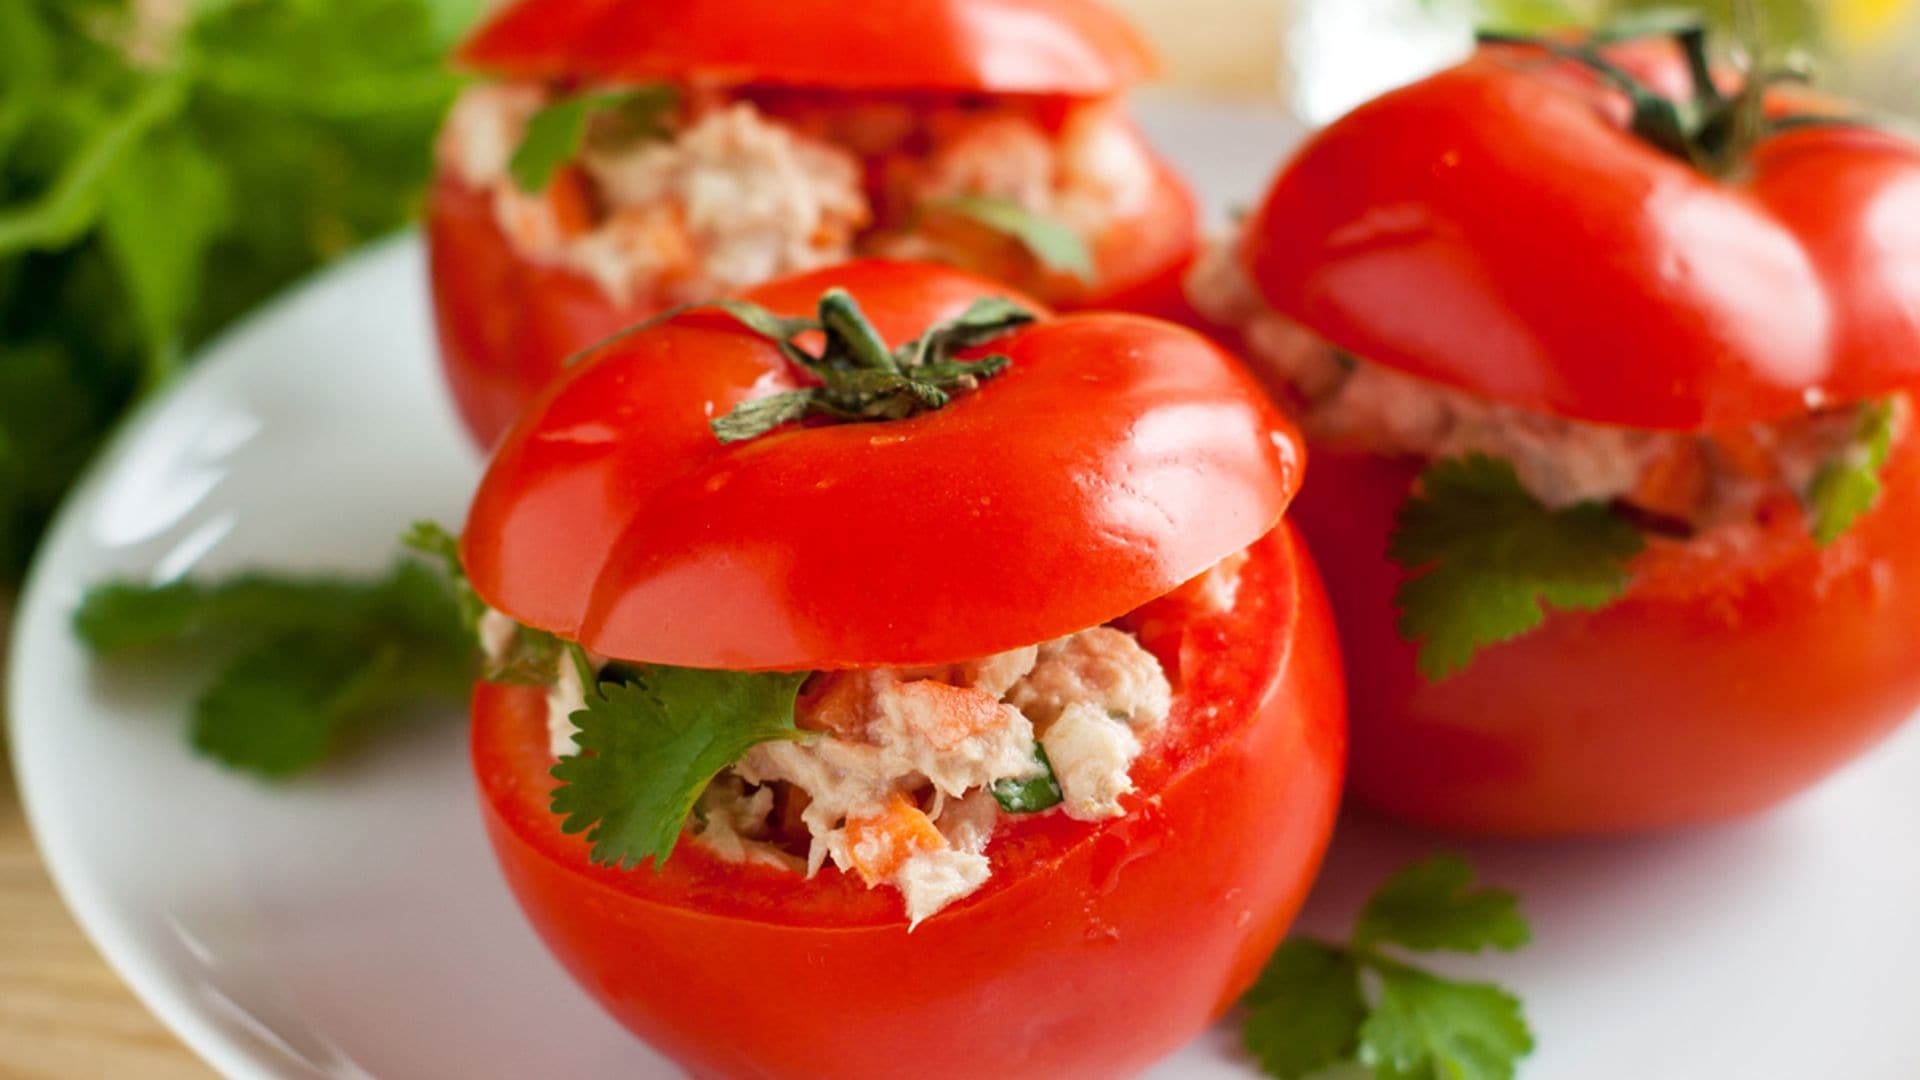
{"points": [[1304, 1013], [1433, 905], [1049, 241], [1485, 558], [1032, 795], [315, 660], [162, 212], [556, 133], [531, 657], [650, 746], [1425, 1026], [1849, 486], [1312, 1009]]}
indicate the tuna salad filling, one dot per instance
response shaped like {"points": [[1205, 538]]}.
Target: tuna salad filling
{"points": [[729, 189], [904, 774], [1676, 484]]}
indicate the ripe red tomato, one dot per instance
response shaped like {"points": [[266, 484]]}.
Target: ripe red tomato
{"points": [[506, 323], [1092, 951], [1497, 229], [1112, 461]]}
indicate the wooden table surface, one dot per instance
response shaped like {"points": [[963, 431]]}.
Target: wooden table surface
{"points": [[65, 1015]]}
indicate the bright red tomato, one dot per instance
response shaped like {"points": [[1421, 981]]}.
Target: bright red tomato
{"points": [[1715, 688], [1092, 951], [506, 324], [1113, 460], [1496, 228], [1117, 457]]}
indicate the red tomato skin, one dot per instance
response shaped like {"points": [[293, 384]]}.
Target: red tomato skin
{"points": [[1497, 229], [507, 324], [1716, 688], [1046, 47], [1094, 950]]}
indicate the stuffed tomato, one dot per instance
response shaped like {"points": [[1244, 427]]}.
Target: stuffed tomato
{"points": [[630, 157], [935, 682], [1612, 430]]}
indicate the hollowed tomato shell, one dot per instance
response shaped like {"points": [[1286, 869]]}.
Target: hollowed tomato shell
{"points": [[1094, 949]]}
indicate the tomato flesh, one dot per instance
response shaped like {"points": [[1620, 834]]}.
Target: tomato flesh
{"points": [[1717, 687], [1094, 949]]}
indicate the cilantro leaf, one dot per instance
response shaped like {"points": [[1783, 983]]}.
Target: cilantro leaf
{"points": [[1313, 1006], [1030, 796], [531, 656], [293, 702], [650, 747], [1426, 1027], [1051, 242], [1432, 905], [556, 133], [154, 186], [1305, 1011], [1848, 486], [313, 662], [1485, 558]]}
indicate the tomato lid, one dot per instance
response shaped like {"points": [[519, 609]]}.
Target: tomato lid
{"points": [[1498, 228], [1065, 47], [1115, 457]]}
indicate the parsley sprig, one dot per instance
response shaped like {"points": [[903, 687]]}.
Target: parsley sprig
{"points": [[164, 168], [1486, 558], [860, 379], [1319, 1004], [1052, 243], [650, 745], [313, 663], [531, 656], [556, 133], [1848, 486]]}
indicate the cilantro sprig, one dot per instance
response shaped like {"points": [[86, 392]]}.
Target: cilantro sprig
{"points": [[158, 180], [1486, 559], [1848, 486], [313, 663], [531, 655], [555, 134], [860, 379], [650, 745], [1318, 1004], [1052, 243]]}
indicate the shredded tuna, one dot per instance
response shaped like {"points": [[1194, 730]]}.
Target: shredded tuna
{"points": [[745, 190], [1693, 481]]}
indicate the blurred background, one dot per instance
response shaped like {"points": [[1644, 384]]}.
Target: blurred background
{"points": [[165, 165]]}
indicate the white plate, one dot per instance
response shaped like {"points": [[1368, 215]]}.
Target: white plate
{"points": [[353, 924]]}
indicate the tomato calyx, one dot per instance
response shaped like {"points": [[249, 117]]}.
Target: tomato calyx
{"points": [[1713, 131], [859, 378]]}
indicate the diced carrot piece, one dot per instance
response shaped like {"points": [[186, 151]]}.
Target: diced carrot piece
{"points": [[881, 843], [946, 716], [1675, 483], [572, 201]]}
